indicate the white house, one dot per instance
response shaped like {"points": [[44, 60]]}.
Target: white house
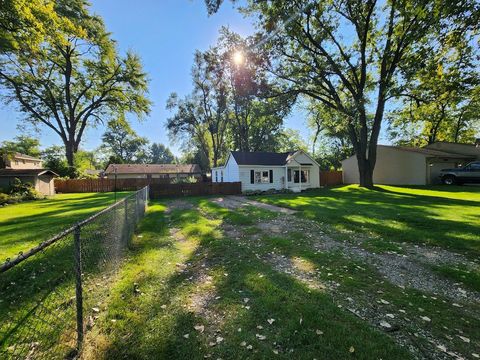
{"points": [[296, 171]]}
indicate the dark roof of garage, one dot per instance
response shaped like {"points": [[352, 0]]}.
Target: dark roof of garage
{"points": [[26, 172], [431, 152], [261, 157]]}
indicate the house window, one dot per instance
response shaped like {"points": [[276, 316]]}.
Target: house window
{"points": [[216, 176], [305, 174], [16, 162], [221, 176], [262, 177], [289, 175]]}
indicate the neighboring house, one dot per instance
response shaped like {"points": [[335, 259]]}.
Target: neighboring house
{"points": [[21, 161], [152, 171], [28, 170], [296, 171], [401, 165]]}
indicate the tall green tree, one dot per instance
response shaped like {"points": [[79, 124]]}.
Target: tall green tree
{"points": [[348, 54], [26, 24], [441, 98], [122, 144], [233, 105], [256, 106], [160, 154], [55, 160], [203, 115], [23, 144], [74, 83]]}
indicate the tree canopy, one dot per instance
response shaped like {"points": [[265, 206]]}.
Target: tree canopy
{"points": [[233, 104], [74, 79]]}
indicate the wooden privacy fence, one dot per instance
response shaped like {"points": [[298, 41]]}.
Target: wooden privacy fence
{"points": [[331, 177], [103, 185], [200, 188]]}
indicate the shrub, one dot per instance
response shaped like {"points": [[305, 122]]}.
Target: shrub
{"points": [[267, 192], [4, 199], [20, 191], [187, 180]]}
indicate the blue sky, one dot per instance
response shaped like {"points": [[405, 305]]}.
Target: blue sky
{"points": [[165, 34]]}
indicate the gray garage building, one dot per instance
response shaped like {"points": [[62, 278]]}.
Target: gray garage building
{"points": [[401, 165]]}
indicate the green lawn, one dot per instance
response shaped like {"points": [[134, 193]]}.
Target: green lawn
{"points": [[25, 225], [201, 283], [444, 216]]}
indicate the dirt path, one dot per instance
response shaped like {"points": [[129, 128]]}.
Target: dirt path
{"points": [[409, 269], [233, 202]]}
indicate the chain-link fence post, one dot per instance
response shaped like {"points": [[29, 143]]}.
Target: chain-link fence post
{"points": [[136, 207], [147, 195], [78, 284], [126, 226]]}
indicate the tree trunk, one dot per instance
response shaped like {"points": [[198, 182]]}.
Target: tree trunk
{"points": [[70, 150], [365, 170]]}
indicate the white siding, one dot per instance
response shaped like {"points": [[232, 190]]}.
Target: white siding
{"points": [[314, 169], [230, 171], [278, 177], [393, 167]]}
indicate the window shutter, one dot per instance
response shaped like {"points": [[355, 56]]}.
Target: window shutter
{"points": [[252, 176], [271, 176]]}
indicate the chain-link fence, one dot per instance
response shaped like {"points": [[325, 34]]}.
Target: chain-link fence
{"points": [[51, 295]]}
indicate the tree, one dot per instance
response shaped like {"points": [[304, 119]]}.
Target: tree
{"points": [[330, 142], [123, 144], [290, 140], [203, 115], [231, 104], [442, 96], [54, 159], [22, 144], [356, 74], [160, 154], [256, 106], [28, 23], [74, 83]]}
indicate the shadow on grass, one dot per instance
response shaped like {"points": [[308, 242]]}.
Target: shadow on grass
{"points": [[38, 295], [145, 330], [396, 214]]}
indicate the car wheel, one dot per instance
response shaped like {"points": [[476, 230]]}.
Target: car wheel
{"points": [[449, 180]]}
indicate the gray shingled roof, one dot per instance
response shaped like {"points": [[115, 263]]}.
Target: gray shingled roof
{"points": [[25, 172], [431, 152], [261, 158], [153, 169], [24, 156]]}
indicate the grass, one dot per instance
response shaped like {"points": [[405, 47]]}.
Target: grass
{"points": [[206, 285], [198, 283], [444, 216], [241, 291], [25, 225]]}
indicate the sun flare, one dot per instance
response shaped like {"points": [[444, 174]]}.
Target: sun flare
{"points": [[238, 57]]}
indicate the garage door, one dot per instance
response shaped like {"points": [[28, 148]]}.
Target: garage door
{"points": [[435, 170]]}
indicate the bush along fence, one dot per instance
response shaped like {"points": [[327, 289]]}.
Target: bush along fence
{"points": [[195, 189], [51, 295]]}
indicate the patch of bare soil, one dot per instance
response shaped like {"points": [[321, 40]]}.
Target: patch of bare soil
{"points": [[409, 269], [373, 309], [201, 300], [234, 202]]}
